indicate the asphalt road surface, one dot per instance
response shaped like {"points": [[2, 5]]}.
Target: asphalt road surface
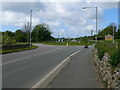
{"points": [[24, 69], [78, 73]]}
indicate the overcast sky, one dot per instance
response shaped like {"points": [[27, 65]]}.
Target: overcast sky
{"points": [[66, 19]]}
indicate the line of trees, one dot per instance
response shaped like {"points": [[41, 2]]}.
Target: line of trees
{"points": [[108, 30], [101, 33], [40, 32]]}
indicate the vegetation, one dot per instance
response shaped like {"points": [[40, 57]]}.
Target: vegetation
{"points": [[112, 50], [65, 43], [0, 38], [41, 32], [22, 36], [106, 31], [115, 58], [8, 38]]}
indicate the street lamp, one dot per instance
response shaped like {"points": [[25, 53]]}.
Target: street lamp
{"points": [[31, 25], [96, 19], [113, 35], [118, 26]]}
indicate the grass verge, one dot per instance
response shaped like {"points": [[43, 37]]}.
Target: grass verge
{"points": [[17, 50], [65, 43]]}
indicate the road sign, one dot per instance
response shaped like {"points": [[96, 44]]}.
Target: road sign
{"points": [[108, 37]]}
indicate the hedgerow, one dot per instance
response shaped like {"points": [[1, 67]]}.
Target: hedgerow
{"points": [[111, 49], [18, 50]]}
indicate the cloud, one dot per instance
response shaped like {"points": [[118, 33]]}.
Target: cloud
{"points": [[22, 7], [64, 18], [107, 5]]}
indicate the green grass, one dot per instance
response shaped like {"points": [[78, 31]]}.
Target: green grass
{"points": [[65, 43], [83, 42], [18, 50], [20, 43]]}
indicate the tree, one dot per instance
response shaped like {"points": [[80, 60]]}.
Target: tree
{"points": [[0, 38], [20, 36], [41, 32], [9, 33], [26, 29], [8, 38], [106, 31]]}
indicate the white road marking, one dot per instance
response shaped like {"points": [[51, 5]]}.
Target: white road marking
{"points": [[52, 74]]}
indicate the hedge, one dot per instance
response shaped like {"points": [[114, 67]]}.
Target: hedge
{"points": [[111, 49], [17, 50]]}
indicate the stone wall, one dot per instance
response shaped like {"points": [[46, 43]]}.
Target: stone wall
{"points": [[110, 76]]}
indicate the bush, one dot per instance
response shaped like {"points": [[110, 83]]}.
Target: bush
{"points": [[6, 40], [115, 58], [101, 54], [112, 50], [0, 38], [101, 50]]}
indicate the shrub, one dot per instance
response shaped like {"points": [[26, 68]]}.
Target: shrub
{"points": [[101, 54], [115, 58], [112, 50], [6, 40]]}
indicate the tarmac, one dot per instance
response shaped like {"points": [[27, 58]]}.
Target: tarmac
{"points": [[78, 73]]}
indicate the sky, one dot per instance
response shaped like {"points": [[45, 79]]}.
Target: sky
{"points": [[65, 19]]}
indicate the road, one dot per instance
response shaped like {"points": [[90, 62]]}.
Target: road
{"points": [[78, 73], [25, 69]]}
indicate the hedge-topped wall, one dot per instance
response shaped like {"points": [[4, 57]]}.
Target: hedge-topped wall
{"points": [[110, 76], [112, 50], [11, 47]]}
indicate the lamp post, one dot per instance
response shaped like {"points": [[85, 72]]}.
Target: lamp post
{"points": [[113, 25], [118, 29], [113, 35], [31, 11], [30, 26], [37, 35], [96, 19]]}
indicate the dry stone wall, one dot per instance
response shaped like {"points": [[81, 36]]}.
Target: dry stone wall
{"points": [[110, 76]]}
